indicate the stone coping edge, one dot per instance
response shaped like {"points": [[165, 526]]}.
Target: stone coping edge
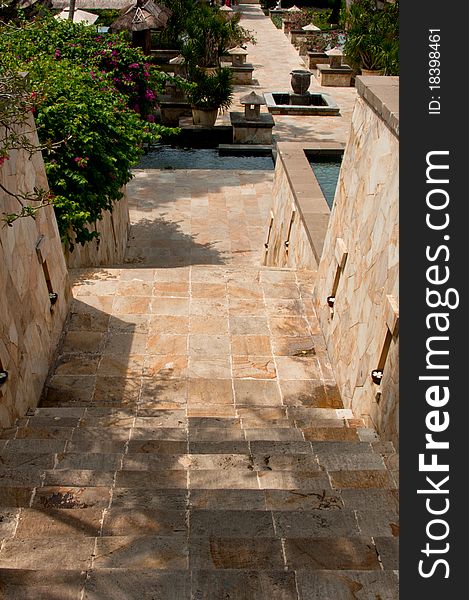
{"points": [[381, 93], [307, 194]]}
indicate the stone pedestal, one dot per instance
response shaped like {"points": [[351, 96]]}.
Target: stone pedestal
{"points": [[334, 77], [316, 58], [242, 74], [252, 131], [172, 111], [161, 57]]}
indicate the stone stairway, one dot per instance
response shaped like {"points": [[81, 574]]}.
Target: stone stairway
{"points": [[191, 465], [191, 442]]}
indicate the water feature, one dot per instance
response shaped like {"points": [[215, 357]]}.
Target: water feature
{"points": [[169, 157], [287, 103], [300, 101], [326, 169]]}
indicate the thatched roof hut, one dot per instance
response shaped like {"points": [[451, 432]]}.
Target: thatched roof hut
{"points": [[140, 18], [142, 15]]}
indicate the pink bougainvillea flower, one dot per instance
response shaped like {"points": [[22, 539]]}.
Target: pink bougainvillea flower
{"points": [[81, 161]]}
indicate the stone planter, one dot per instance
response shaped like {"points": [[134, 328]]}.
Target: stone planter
{"points": [[300, 81], [204, 116]]}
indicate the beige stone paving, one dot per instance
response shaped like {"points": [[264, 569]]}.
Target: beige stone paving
{"points": [[185, 217], [191, 443]]}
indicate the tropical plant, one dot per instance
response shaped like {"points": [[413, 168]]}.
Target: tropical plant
{"points": [[173, 35], [373, 36], [209, 35], [212, 90]]}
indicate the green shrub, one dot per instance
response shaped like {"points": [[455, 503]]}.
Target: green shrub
{"points": [[94, 99], [373, 36], [277, 21]]}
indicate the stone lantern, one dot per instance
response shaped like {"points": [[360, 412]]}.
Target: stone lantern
{"points": [[179, 65], [252, 127], [252, 106], [335, 55], [293, 9], [238, 56]]}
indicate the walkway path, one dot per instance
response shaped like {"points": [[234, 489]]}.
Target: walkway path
{"points": [[191, 443], [273, 58]]}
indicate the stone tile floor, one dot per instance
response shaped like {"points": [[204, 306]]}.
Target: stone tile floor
{"points": [[191, 443]]}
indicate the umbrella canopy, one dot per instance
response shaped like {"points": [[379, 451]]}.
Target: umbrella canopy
{"points": [[311, 27], [142, 16], [79, 16]]}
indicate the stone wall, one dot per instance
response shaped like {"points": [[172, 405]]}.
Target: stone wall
{"points": [[31, 265], [109, 248], [360, 261], [299, 214]]}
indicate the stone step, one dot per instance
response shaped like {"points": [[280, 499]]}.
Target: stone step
{"points": [[201, 523], [198, 552], [218, 584], [112, 417]]}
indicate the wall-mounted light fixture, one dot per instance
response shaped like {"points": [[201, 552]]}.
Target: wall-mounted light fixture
{"points": [[53, 297], [3, 376], [377, 376], [340, 253]]}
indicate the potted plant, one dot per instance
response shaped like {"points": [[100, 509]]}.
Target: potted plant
{"points": [[372, 43], [209, 93]]}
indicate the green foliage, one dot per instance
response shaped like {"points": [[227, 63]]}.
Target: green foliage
{"points": [[212, 90], [106, 16], [109, 55], [93, 98], [373, 36], [208, 34], [182, 10], [277, 21], [319, 17]]}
